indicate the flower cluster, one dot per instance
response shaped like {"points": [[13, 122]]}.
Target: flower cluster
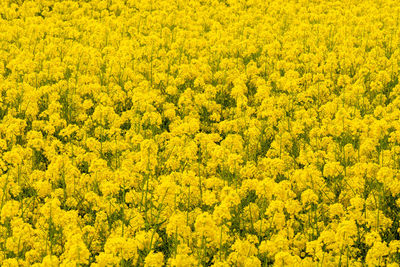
{"points": [[199, 133]]}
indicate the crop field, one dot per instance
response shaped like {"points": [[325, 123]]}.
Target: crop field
{"points": [[184, 133]]}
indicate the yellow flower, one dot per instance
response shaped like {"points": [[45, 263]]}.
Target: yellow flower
{"points": [[10, 209], [182, 260], [154, 259], [76, 250], [376, 254], [309, 197], [106, 259], [206, 230], [51, 261]]}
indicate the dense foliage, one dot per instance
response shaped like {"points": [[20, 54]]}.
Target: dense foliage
{"points": [[199, 132]]}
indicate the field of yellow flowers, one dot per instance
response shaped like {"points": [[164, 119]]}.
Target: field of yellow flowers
{"points": [[199, 133]]}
